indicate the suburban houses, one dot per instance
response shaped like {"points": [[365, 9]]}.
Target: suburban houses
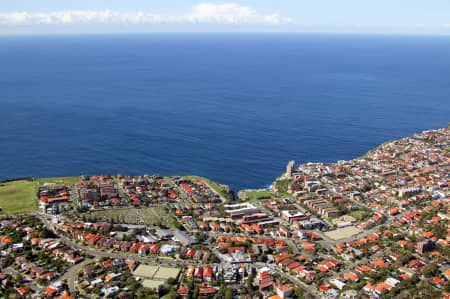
{"points": [[373, 227]]}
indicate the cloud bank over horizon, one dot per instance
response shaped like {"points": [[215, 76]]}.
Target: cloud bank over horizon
{"points": [[204, 13], [143, 16]]}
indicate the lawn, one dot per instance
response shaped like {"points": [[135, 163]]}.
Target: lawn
{"points": [[68, 180], [359, 214], [152, 284], [216, 186], [282, 185], [258, 195], [18, 197]]}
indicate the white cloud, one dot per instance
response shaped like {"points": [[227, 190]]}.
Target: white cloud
{"points": [[228, 13], [233, 14]]}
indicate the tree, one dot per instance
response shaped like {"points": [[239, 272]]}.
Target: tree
{"points": [[298, 293], [250, 279], [195, 292], [228, 293], [172, 295], [431, 271], [18, 278], [404, 258], [221, 292], [163, 290], [171, 281], [213, 259]]}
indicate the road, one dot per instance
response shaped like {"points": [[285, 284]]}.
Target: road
{"points": [[72, 274], [114, 255], [183, 194], [223, 199], [30, 283], [216, 234], [328, 243]]}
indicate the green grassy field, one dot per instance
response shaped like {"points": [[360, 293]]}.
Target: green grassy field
{"points": [[359, 214], [18, 197], [256, 195], [217, 187], [282, 185], [68, 180]]}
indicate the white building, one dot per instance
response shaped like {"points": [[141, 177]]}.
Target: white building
{"points": [[337, 283]]}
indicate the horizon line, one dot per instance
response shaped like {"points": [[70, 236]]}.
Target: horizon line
{"points": [[228, 33]]}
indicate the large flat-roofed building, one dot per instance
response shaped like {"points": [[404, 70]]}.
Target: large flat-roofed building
{"points": [[88, 193], [237, 211], [291, 216], [323, 207], [258, 217], [184, 239]]}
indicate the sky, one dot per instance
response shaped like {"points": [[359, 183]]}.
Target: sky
{"points": [[330, 16]]}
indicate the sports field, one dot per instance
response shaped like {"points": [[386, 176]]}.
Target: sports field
{"points": [[166, 273], [343, 233], [152, 272], [145, 271]]}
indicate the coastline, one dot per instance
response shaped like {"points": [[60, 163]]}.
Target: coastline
{"points": [[227, 195]]}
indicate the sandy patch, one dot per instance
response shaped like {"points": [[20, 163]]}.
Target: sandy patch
{"points": [[343, 233]]}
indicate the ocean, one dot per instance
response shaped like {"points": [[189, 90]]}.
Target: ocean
{"points": [[231, 107]]}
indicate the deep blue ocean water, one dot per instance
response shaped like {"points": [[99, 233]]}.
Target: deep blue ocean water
{"points": [[232, 107]]}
